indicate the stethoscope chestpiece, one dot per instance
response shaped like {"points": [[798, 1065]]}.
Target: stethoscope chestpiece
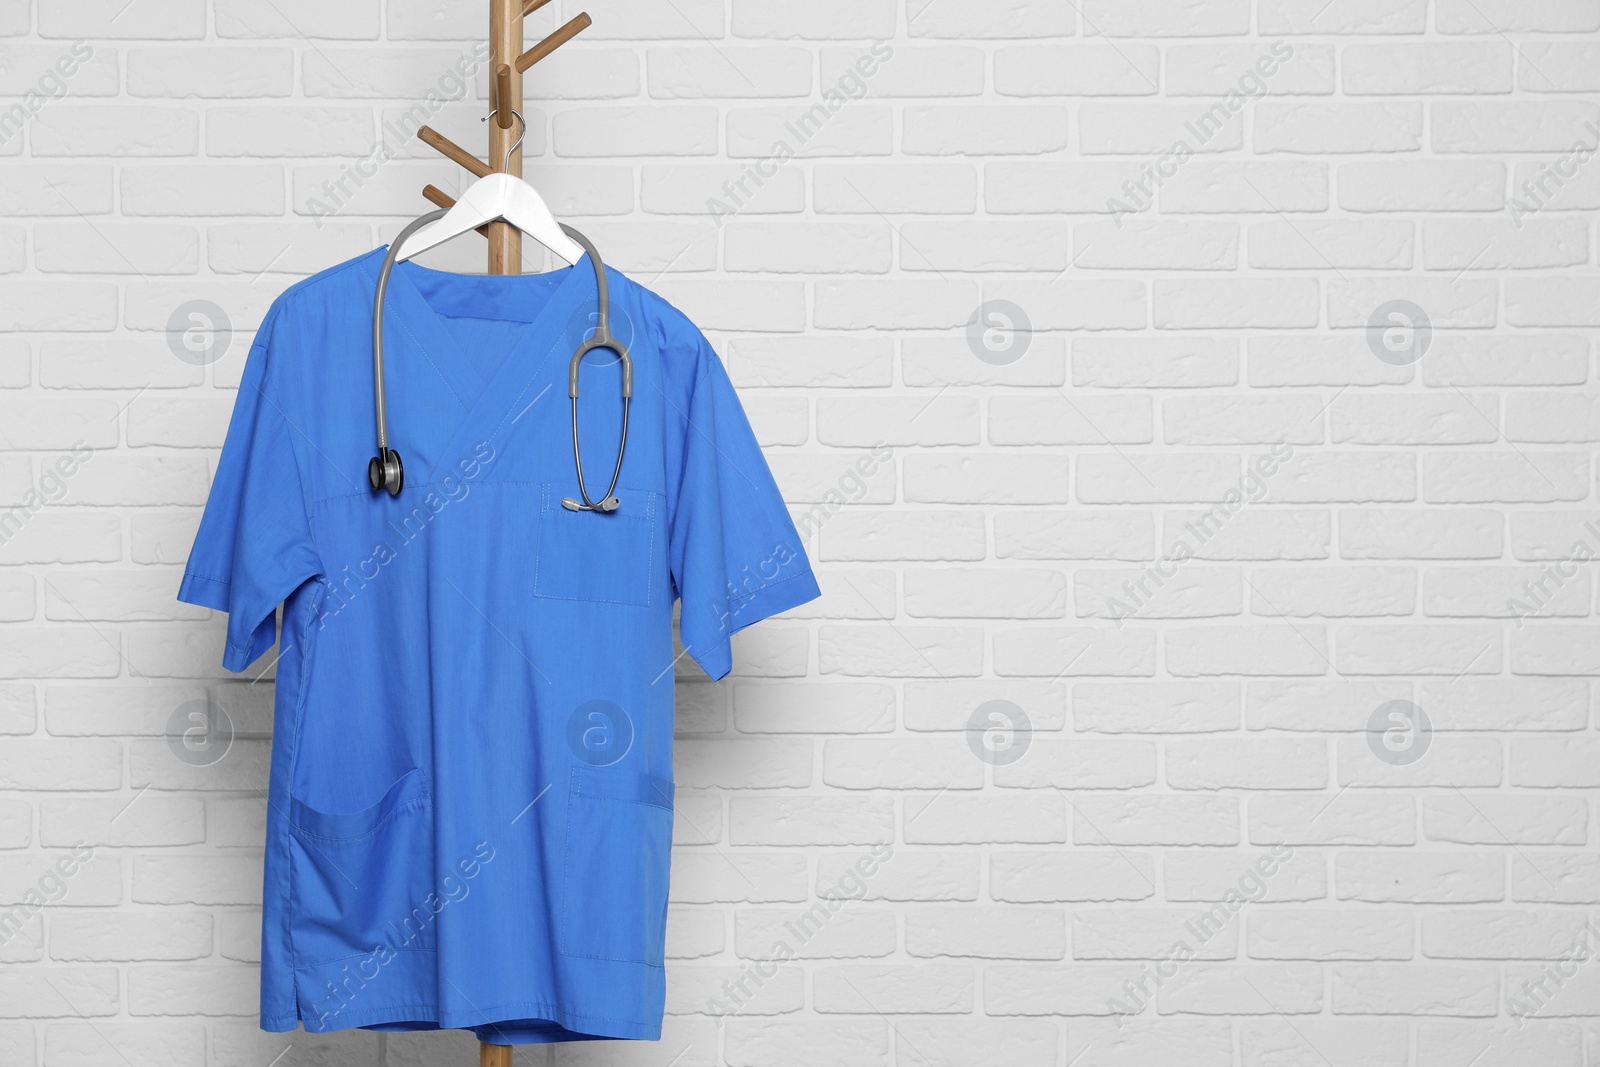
{"points": [[385, 471]]}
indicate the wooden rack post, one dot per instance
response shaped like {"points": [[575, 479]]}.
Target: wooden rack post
{"points": [[507, 63]]}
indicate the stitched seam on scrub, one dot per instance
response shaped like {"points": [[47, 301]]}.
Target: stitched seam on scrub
{"points": [[566, 879], [538, 554], [405, 805], [286, 903], [768, 588], [557, 1013], [425, 355]]}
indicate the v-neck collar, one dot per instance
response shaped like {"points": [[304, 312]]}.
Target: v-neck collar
{"points": [[485, 406]]}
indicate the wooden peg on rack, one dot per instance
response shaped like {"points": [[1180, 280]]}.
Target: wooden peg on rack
{"points": [[452, 151], [566, 33]]}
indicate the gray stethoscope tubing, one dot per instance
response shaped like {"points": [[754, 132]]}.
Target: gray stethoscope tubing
{"points": [[385, 470]]}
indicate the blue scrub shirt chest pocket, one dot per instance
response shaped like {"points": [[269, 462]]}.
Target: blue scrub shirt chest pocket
{"points": [[612, 558]]}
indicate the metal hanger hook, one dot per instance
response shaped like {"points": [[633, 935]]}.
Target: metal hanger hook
{"points": [[522, 131]]}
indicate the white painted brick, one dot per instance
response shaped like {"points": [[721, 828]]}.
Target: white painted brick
{"points": [[1156, 707], [864, 130], [1196, 303], [1143, 245], [1455, 533], [987, 246], [1247, 649], [1116, 127], [1149, 933], [1468, 303], [1545, 359], [1430, 648], [948, 592], [1332, 591], [181, 1044], [1032, 818], [1020, 534], [1497, 1045], [1342, 819], [863, 188], [1248, 535], [212, 73], [1316, 244], [1303, 360], [1053, 653], [1390, 989], [1505, 126], [1255, 763], [1041, 877], [1343, 17], [1559, 66], [1498, 819], [1555, 878], [1488, 244], [1103, 479], [1090, 69], [1318, 129], [1138, 363], [1195, 592], [1328, 934], [931, 70], [1421, 878], [1205, 185], [1064, 420], [1022, 129], [1220, 419], [1552, 302], [84, 992], [1503, 592], [1499, 16], [1447, 419], [1422, 185], [1214, 69], [872, 19], [1450, 67], [968, 19], [1088, 304], [299, 19], [102, 18], [1362, 1042], [1345, 477], [1511, 477], [1485, 934], [697, 72], [1167, 18], [94, 936]]}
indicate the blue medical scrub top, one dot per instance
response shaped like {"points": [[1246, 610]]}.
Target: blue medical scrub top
{"points": [[470, 802]]}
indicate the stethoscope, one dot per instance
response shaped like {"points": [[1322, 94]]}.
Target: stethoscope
{"points": [[385, 471]]}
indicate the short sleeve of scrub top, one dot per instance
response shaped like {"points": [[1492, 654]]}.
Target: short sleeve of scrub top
{"points": [[471, 797]]}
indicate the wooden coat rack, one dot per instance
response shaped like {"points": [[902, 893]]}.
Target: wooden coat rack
{"points": [[507, 63]]}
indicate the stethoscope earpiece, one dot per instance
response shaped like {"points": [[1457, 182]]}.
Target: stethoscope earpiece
{"points": [[384, 471], [608, 505]]}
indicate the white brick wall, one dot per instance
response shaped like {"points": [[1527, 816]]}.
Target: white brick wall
{"points": [[1198, 526]]}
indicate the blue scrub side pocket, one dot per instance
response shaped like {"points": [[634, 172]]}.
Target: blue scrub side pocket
{"points": [[361, 879], [584, 555], [618, 858]]}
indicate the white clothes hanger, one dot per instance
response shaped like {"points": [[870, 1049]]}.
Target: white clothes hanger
{"points": [[497, 197]]}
